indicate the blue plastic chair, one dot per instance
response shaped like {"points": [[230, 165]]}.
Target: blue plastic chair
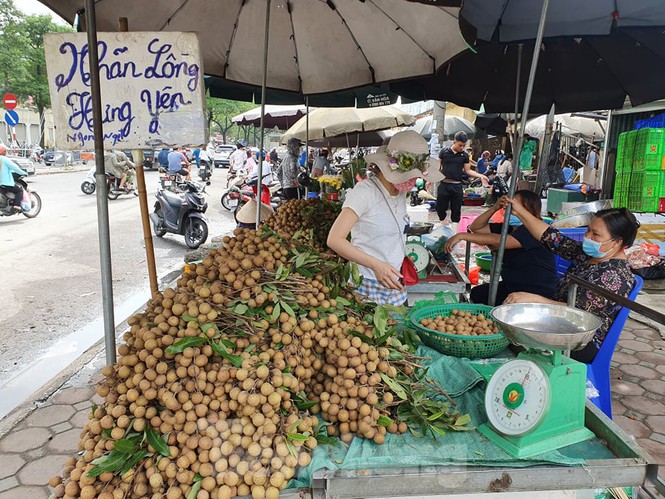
{"points": [[598, 372]]}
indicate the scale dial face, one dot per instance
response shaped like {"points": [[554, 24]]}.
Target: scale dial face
{"points": [[517, 397], [418, 254]]}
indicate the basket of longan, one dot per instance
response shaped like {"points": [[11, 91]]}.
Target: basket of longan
{"points": [[459, 329]]}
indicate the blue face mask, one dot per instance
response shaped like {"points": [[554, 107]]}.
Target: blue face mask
{"points": [[513, 220], [592, 248]]}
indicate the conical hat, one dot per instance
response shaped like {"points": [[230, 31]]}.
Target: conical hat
{"points": [[247, 214]]}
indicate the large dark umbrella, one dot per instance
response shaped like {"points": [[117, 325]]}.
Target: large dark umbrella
{"points": [[574, 74], [492, 124]]}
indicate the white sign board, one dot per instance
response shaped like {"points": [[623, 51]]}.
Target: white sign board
{"points": [[151, 89]]}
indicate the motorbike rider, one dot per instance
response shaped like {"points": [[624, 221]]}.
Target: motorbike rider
{"points": [[7, 167], [163, 158], [117, 163], [238, 157], [176, 160]]}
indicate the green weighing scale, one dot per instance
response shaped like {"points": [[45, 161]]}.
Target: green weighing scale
{"points": [[535, 403], [416, 250]]}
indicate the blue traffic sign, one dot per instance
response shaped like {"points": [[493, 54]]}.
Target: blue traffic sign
{"points": [[11, 118]]}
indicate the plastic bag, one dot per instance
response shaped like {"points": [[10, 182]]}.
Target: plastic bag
{"points": [[25, 202]]}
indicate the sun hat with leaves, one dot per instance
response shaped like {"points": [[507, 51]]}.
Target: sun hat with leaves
{"points": [[405, 157]]}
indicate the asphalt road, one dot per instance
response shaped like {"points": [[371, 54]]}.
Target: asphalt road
{"points": [[50, 265]]}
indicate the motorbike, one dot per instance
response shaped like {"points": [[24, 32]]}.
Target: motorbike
{"points": [[182, 214], [205, 170], [234, 185], [89, 185], [7, 197], [113, 185]]}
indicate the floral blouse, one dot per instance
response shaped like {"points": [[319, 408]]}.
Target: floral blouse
{"points": [[613, 274]]}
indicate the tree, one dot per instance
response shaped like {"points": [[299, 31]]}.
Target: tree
{"points": [[36, 83], [219, 113], [13, 46]]}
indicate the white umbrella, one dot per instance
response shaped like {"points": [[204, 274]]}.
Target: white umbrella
{"points": [[451, 126], [333, 122], [576, 126], [281, 117], [315, 46]]}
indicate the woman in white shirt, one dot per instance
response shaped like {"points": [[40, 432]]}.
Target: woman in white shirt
{"points": [[374, 212], [505, 168]]}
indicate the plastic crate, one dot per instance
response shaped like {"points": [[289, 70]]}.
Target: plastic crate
{"points": [[473, 347], [575, 233]]}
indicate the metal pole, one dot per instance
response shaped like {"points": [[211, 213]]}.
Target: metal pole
{"points": [[606, 149], [545, 151], [259, 180], [100, 178], [496, 271], [307, 135], [520, 51]]}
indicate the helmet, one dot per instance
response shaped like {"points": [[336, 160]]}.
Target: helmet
{"points": [[304, 179], [241, 143]]}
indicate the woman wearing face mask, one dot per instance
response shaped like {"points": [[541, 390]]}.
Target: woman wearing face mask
{"points": [[374, 212], [527, 265], [600, 260]]}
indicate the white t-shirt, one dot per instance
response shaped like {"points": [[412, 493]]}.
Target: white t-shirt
{"points": [[237, 159], [505, 168], [376, 232]]}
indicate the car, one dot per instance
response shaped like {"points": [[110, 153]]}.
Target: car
{"points": [[222, 154], [25, 164], [148, 158], [58, 158]]}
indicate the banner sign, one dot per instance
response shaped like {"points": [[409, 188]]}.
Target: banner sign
{"points": [[151, 89]]}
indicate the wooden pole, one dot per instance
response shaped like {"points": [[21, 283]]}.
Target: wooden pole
{"points": [[137, 155]]}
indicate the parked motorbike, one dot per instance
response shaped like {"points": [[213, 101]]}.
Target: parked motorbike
{"points": [[182, 214], [7, 197], [205, 170], [89, 185], [234, 185]]}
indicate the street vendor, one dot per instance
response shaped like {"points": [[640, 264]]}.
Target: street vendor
{"points": [[454, 163], [527, 265], [288, 170], [374, 212], [600, 259]]}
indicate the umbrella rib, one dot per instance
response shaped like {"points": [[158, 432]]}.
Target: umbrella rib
{"points": [[170, 18], [348, 28], [233, 37], [409, 35], [295, 44]]}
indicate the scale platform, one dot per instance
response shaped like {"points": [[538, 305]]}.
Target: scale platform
{"points": [[535, 403]]}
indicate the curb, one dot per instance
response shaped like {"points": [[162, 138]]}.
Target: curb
{"points": [[47, 390], [50, 170]]}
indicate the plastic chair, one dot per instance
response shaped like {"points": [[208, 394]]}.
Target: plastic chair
{"points": [[598, 372]]}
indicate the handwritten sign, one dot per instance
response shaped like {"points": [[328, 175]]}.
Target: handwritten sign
{"points": [[151, 88]]}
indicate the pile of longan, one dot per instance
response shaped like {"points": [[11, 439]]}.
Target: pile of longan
{"points": [[461, 323], [235, 430]]}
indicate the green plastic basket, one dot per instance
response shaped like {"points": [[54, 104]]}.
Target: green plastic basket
{"points": [[472, 347]]}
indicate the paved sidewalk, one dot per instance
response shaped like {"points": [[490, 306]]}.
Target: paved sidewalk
{"points": [[37, 446]]}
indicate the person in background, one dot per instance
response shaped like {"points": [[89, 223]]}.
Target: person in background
{"points": [[250, 164], [505, 168], [374, 213], [454, 163], [474, 165], [321, 164], [498, 156], [196, 156], [288, 170], [210, 150], [237, 157], [600, 259], [163, 158], [527, 264], [7, 183], [117, 163], [274, 158], [176, 160], [593, 158], [266, 177], [484, 162]]}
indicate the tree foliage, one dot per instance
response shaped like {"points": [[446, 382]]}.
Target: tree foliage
{"points": [[219, 114]]}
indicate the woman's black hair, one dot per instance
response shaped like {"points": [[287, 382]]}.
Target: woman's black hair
{"points": [[531, 201], [621, 224]]}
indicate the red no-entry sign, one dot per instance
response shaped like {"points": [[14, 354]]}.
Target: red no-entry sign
{"points": [[9, 101]]}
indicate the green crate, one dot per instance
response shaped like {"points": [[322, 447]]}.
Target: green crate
{"points": [[473, 347], [648, 162], [649, 205]]}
